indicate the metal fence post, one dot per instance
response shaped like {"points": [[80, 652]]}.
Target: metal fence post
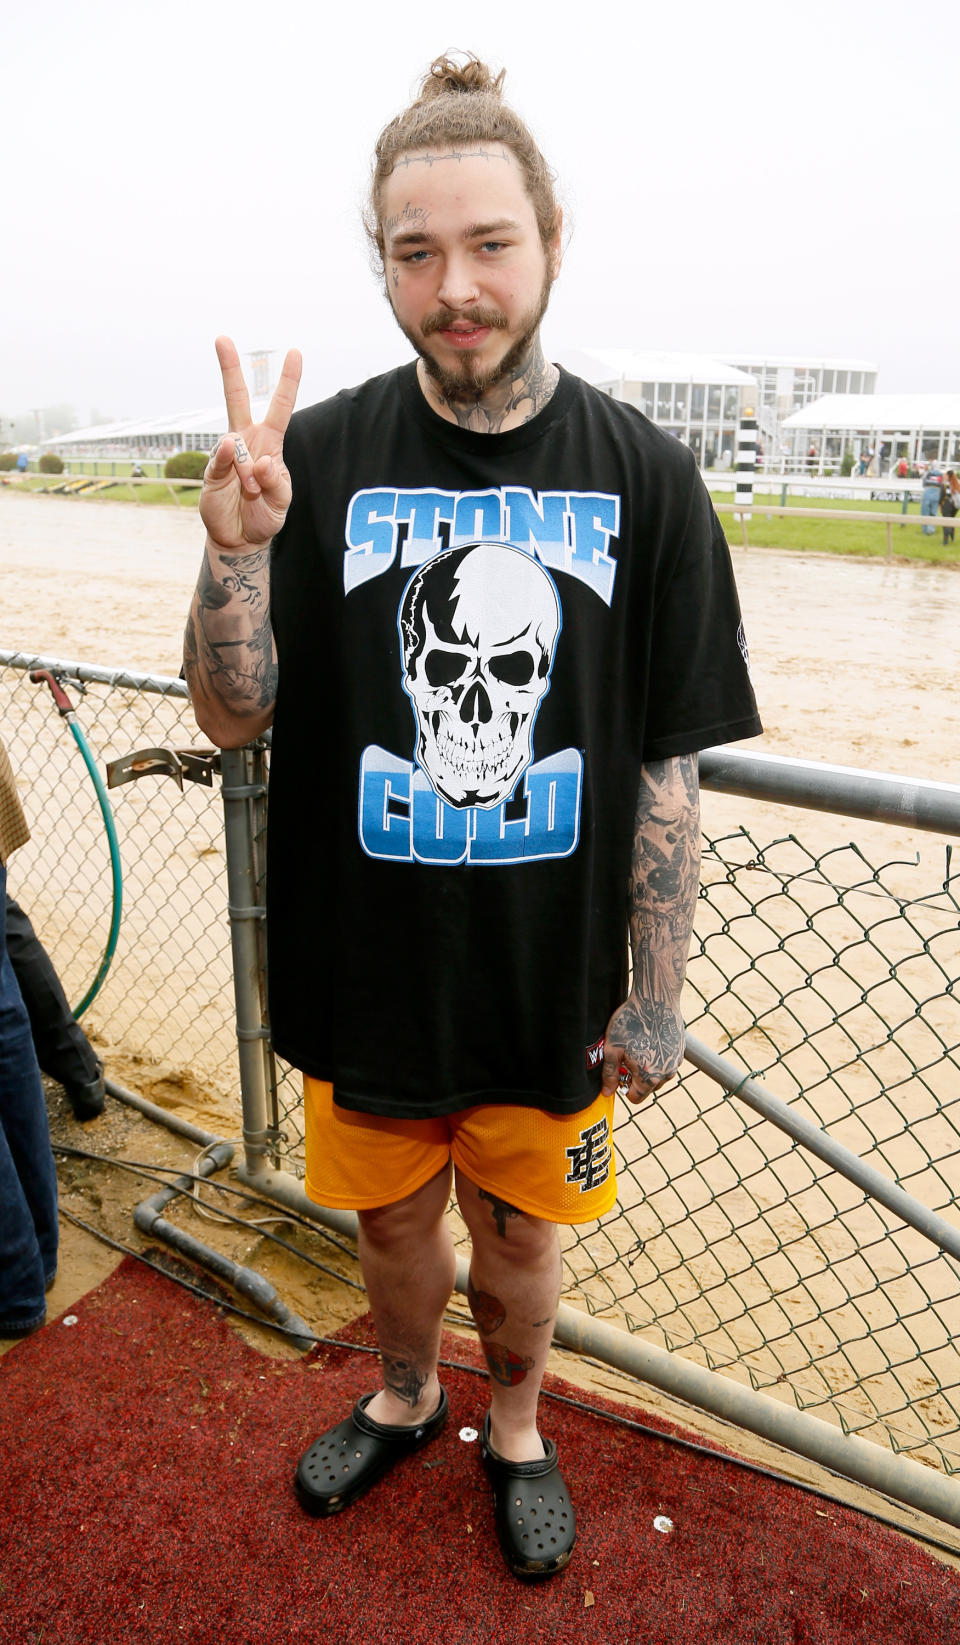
{"points": [[244, 793], [746, 465]]}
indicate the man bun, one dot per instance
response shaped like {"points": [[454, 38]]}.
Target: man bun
{"points": [[445, 75]]}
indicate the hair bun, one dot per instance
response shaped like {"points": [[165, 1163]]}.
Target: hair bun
{"points": [[446, 76]]}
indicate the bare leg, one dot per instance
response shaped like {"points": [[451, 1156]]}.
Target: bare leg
{"points": [[514, 1291], [406, 1252]]}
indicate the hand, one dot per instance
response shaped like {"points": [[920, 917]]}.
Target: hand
{"points": [[246, 487], [643, 1044]]}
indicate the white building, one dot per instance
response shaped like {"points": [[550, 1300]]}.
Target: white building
{"points": [[151, 439], [784, 386], [700, 398], [696, 397], [914, 428]]}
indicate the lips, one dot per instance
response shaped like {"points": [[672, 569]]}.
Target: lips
{"points": [[463, 330], [464, 336]]}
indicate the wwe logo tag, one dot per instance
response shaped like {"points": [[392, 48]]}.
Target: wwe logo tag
{"points": [[590, 1160], [594, 1055]]}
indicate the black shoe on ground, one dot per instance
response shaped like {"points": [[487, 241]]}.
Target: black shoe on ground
{"points": [[87, 1100]]}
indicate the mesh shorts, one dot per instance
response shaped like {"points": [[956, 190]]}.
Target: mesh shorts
{"points": [[559, 1167]]}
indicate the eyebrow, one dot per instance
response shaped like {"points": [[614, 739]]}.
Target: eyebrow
{"points": [[473, 231]]}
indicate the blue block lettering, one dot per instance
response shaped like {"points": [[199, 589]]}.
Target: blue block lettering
{"points": [[477, 516], [371, 535], [439, 830], [423, 509], [384, 778], [594, 519]]}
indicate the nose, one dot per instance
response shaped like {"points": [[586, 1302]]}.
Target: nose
{"points": [[458, 287]]}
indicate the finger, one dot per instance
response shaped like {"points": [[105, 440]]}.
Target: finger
{"points": [[644, 1086], [612, 1063], [280, 409], [234, 384], [221, 459], [231, 454]]}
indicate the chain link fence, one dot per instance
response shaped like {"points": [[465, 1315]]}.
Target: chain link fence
{"points": [[830, 976]]}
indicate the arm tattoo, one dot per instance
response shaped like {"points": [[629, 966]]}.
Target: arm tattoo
{"points": [[664, 882], [228, 643]]}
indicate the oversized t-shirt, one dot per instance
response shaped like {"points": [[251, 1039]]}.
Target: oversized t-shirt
{"points": [[480, 638]]}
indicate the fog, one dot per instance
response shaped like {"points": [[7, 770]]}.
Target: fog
{"points": [[777, 179]]}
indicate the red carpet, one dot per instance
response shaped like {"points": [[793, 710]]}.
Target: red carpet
{"points": [[146, 1458]]}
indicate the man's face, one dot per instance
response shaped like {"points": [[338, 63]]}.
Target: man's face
{"points": [[466, 271]]}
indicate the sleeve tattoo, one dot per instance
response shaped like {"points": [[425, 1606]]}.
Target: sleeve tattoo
{"points": [[664, 885], [228, 643]]}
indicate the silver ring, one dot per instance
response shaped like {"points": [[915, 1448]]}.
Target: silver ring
{"points": [[623, 1088]]}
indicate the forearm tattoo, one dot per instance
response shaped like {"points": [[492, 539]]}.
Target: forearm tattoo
{"points": [[664, 884], [228, 642]]}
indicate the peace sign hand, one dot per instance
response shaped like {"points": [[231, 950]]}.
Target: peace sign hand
{"points": [[246, 487]]}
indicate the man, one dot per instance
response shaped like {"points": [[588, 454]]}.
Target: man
{"points": [[495, 625]]}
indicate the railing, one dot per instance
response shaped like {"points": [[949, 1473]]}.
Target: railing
{"points": [[76, 482], [786, 1246], [742, 514]]}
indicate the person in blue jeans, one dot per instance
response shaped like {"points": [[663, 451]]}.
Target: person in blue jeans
{"points": [[930, 499], [28, 1177]]}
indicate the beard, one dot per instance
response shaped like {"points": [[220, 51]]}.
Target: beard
{"points": [[468, 380]]}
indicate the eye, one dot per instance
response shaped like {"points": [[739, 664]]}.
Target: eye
{"points": [[514, 668], [443, 667], [415, 257], [493, 245]]}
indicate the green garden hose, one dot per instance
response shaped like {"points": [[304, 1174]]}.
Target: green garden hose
{"points": [[43, 676]]}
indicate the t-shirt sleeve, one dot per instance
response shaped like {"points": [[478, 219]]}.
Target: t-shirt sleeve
{"points": [[700, 692]]}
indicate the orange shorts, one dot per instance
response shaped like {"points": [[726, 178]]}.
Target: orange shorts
{"points": [[559, 1167]]}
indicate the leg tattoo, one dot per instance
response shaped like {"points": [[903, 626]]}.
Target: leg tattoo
{"points": [[500, 1211], [402, 1377], [488, 1311]]}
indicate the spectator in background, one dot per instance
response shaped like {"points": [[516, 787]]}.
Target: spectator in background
{"points": [[63, 1050], [28, 1177], [23, 463], [950, 504], [930, 498]]}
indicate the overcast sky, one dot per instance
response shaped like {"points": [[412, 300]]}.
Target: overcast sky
{"points": [[737, 177]]}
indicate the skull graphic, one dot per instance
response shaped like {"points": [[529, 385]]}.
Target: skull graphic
{"points": [[479, 627]]}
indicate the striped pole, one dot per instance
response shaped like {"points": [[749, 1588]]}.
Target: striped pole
{"points": [[746, 461]]}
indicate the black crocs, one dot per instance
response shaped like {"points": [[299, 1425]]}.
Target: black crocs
{"points": [[348, 1459], [534, 1518]]}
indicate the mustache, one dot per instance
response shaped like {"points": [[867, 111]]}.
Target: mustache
{"points": [[444, 317]]}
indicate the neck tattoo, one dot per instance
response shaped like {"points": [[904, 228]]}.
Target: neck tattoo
{"points": [[506, 404]]}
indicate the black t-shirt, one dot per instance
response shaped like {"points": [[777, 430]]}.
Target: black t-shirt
{"points": [[481, 637]]}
